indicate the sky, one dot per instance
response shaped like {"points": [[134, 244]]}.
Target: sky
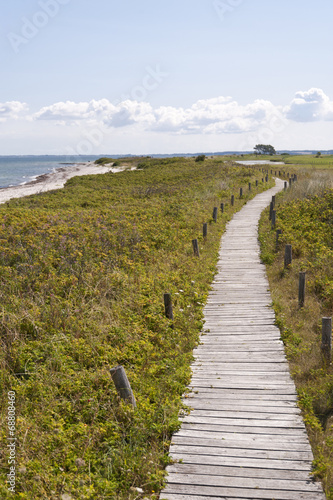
{"points": [[175, 76]]}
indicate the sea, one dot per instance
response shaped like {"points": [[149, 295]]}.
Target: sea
{"points": [[15, 170]]}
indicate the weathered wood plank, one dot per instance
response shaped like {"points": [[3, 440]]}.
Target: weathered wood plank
{"points": [[228, 481], [220, 470], [242, 462], [242, 428], [208, 492], [277, 440], [291, 422], [275, 447], [237, 406]]}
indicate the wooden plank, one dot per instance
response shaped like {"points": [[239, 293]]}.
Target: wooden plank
{"points": [[277, 442], [228, 481], [222, 414], [236, 406], [221, 470], [291, 422], [242, 428], [227, 493], [242, 462], [196, 439], [181, 496]]}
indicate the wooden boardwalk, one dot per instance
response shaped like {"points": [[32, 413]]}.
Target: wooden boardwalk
{"points": [[244, 438]]}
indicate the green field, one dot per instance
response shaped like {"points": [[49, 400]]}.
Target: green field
{"points": [[83, 271]]}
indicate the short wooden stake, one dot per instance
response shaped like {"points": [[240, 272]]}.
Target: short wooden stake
{"points": [[257, 182], [326, 340], [249, 186], [285, 185], [204, 230], [195, 247], [278, 234], [222, 207], [273, 219], [288, 255], [301, 289], [122, 384], [295, 178], [271, 206], [168, 306], [266, 178], [232, 200], [273, 201], [240, 192], [215, 214], [290, 181]]}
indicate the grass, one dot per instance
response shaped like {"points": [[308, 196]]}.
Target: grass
{"points": [[83, 271], [305, 216]]}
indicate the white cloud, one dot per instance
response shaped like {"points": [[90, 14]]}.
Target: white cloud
{"points": [[12, 109], [216, 116], [309, 106]]}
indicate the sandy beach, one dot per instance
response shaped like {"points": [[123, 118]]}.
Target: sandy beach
{"points": [[54, 180]]}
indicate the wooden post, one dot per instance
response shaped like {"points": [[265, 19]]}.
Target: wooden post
{"points": [[249, 186], [285, 185], [301, 289], [266, 178], [204, 230], [215, 214], [278, 234], [122, 384], [195, 248], [273, 201], [273, 219], [326, 340], [270, 210], [232, 200], [257, 182], [222, 207], [290, 181], [279, 173], [168, 306], [240, 192], [288, 256], [262, 180], [295, 178]]}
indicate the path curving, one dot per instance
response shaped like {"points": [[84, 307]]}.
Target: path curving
{"points": [[245, 438]]}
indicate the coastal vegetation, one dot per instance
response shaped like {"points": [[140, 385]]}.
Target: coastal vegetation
{"points": [[305, 217], [83, 271]]}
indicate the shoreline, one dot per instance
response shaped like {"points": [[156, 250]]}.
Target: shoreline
{"points": [[54, 180]]}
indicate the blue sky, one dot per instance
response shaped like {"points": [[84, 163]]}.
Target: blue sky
{"points": [[105, 76]]}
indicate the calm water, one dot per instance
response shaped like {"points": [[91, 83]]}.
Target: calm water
{"points": [[16, 170]]}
